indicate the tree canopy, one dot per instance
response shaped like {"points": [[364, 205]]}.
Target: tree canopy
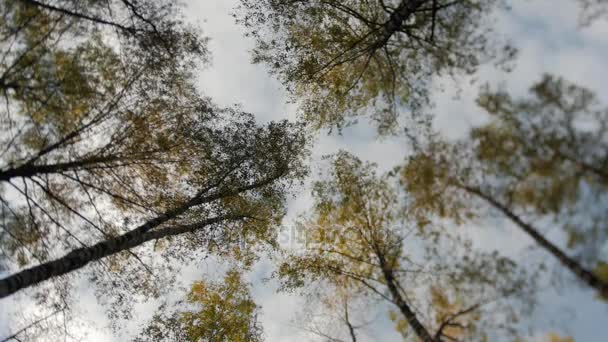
{"points": [[345, 59], [107, 144], [222, 311], [360, 240], [117, 173], [540, 157]]}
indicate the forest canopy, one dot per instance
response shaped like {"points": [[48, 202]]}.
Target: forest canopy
{"points": [[126, 190]]}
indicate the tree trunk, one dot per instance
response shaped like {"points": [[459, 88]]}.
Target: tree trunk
{"points": [[408, 313], [82, 256], [402, 13], [582, 273], [29, 170]]}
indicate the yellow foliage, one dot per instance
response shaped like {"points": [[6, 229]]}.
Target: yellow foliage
{"points": [[226, 309], [553, 337]]}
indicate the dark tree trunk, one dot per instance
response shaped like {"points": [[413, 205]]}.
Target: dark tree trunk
{"points": [[408, 313], [582, 273], [29, 170], [351, 329], [400, 15], [82, 256]]}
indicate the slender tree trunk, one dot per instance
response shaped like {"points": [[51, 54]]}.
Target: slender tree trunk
{"points": [[82, 256], [29, 170], [582, 273], [351, 329], [408, 313]]}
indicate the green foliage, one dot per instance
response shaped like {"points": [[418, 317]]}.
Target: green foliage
{"points": [[103, 129], [547, 145], [429, 180], [345, 59], [539, 157]]}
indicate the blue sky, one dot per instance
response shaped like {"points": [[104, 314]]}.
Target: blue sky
{"points": [[549, 39]]}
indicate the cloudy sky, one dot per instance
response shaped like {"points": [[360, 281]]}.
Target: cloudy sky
{"points": [[549, 39]]}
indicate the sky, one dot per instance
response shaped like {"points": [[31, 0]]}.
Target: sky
{"points": [[549, 39]]}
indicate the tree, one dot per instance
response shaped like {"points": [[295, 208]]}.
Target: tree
{"points": [[107, 144], [335, 311], [344, 59], [542, 157], [245, 186], [221, 311], [360, 240], [82, 120], [150, 30]]}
